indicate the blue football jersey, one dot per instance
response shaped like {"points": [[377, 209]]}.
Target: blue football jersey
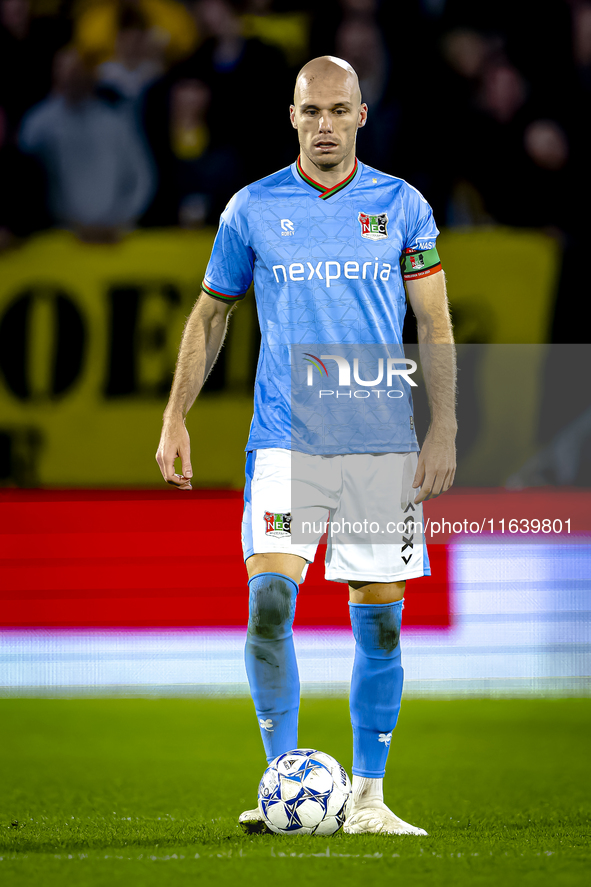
{"points": [[326, 269]]}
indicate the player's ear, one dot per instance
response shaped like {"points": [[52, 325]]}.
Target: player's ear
{"points": [[292, 116], [362, 115]]}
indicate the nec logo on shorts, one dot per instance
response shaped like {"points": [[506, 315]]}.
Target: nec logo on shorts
{"points": [[277, 524], [373, 227]]}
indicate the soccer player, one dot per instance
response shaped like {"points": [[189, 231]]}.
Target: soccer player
{"points": [[328, 242]]}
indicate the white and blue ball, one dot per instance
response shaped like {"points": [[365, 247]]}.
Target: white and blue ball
{"points": [[304, 792]]}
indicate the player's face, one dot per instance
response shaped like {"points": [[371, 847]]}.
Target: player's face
{"points": [[327, 112]]}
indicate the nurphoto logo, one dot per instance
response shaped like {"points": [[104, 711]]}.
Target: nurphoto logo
{"points": [[395, 368]]}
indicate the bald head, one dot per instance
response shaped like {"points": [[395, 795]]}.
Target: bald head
{"points": [[329, 71], [327, 111]]}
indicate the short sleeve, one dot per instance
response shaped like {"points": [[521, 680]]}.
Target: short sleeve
{"points": [[230, 268], [421, 230]]}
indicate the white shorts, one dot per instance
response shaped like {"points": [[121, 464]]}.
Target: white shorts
{"points": [[363, 501]]}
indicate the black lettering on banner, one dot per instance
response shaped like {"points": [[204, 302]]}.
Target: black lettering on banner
{"points": [[140, 361], [42, 343]]}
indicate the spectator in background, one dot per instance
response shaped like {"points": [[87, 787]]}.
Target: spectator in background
{"points": [[194, 174], [518, 159], [579, 94], [137, 61], [483, 99], [288, 30], [547, 183], [503, 92], [486, 102], [22, 192], [196, 177], [172, 28], [99, 173], [362, 46], [557, 190], [27, 48], [329, 15], [582, 44], [492, 152], [232, 66], [360, 43], [466, 53]]}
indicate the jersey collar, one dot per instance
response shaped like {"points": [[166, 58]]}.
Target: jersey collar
{"points": [[322, 191]]}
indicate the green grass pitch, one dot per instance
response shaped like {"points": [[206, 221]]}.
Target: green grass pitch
{"points": [[147, 792]]}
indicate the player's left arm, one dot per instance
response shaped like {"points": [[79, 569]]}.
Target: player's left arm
{"points": [[437, 460]]}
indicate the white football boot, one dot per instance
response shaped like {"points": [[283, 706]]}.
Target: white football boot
{"points": [[368, 815], [378, 819], [253, 822]]}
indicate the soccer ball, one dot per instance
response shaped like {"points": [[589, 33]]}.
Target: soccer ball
{"points": [[304, 792]]}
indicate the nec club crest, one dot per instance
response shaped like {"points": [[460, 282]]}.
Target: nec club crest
{"points": [[373, 227], [277, 524]]}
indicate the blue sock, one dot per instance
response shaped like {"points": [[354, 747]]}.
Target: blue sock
{"points": [[376, 684], [270, 660]]}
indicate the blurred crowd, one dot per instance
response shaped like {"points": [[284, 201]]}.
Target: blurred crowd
{"points": [[123, 113]]}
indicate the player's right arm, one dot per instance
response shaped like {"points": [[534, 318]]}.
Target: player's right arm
{"points": [[200, 345], [228, 276]]}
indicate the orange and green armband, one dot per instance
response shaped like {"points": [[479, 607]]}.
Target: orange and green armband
{"points": [[417, 263]]}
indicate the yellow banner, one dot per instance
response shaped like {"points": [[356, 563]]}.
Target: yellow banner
{"points": [[502, 285], [89, 336], [88, 342]]}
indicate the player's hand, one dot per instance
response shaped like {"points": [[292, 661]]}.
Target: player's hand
{"points": [[174, 442], [436, 468]]}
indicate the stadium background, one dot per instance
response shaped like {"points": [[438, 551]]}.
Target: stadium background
{"points": [[107, 578]]}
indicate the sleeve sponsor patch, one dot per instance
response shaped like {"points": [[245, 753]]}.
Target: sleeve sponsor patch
{"points": [[419, 263]]}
